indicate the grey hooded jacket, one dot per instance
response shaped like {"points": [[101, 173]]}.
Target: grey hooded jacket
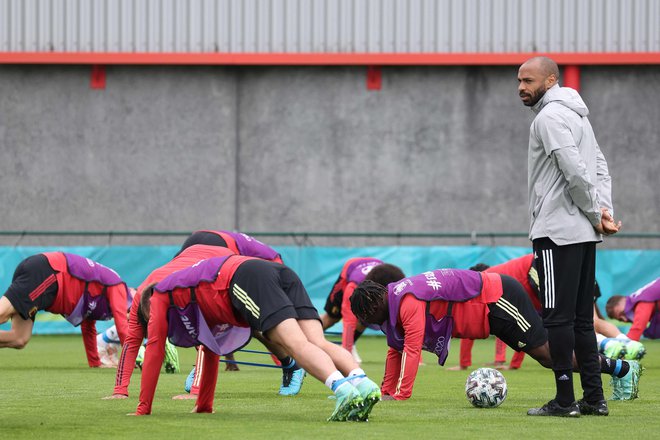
{"points": [[568, 180]]}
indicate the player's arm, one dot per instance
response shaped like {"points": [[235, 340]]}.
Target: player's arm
{"points": [[88, 329], [643, 313], [129, 352], [154, 354], [392, 368], [412, 315], [349, 319], [117, 297]]}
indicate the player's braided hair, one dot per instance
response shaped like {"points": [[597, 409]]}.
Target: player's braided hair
{"points": [[368, 297]]}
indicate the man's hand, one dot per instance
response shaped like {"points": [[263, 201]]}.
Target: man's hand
{"points": [[607, 224], [115, 396], [387, 397]]}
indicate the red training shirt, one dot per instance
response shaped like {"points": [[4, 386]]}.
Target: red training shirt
{"points": [[470, 321], [215, 304], [69, 291]]}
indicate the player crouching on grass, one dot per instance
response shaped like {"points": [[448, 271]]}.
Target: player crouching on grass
{"points": [[82, 290], [243, 244], [425, 311], [642, 309], [137, 325], [215, 303], [338, 303]]}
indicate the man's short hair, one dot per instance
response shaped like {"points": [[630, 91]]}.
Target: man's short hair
{"points": [[611, 303], [479, 267], [385, 274], [548, 66]]}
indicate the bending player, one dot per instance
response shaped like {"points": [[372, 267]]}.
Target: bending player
{"points": [[243, 244], [137, 324], [641, 308], [522, 270], [82, 290], [338, 304], [224, 297], [611, 342], [465, 304]]}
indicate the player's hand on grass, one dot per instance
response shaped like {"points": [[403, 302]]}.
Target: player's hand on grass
{"points": [[196, 410], [456, 368], [115, 396], [387, 397], [186, 396]]}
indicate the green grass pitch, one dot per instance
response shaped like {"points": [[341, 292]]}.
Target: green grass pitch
{"points": [[48, 392]]}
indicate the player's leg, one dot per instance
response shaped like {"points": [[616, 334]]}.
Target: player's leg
{"points": [[515, 322], [465, 355], [500, 352], [257, 291], [312, 358], [33, 287], [368, 389], [20, 331], [292, 374], [517, 360], [319, 364]]}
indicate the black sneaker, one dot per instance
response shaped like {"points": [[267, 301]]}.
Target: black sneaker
{"points": [[552, 408], [593, 409], [287, 374]]}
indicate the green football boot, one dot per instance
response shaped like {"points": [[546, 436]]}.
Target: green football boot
{"points": [[348, 403], [612, 348], [627, 387], [140, 357], [635, 351], [370, 393], [171, 358]]}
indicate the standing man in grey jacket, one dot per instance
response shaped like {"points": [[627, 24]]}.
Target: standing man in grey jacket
{"points": [[570, 207]]}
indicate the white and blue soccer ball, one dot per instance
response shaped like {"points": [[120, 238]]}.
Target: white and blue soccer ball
{"points": [[485, 388]]}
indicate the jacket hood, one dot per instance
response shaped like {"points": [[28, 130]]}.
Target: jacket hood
{"points": [[565, 96]]}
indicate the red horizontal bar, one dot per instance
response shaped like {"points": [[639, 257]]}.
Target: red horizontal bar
{"points": [[366, 59]]}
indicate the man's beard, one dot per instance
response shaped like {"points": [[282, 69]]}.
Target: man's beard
{"points": [[535, 97]]}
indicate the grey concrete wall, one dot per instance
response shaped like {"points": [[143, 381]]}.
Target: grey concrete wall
{"points": [[299, 149]]}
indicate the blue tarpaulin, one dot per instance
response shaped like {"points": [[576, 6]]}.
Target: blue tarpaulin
{"points": [[617, 271]]}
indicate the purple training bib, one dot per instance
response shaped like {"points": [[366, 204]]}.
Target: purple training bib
{"points": [[90, 307], [251, 247], [451, 285], [358, 270], [187, 326]]}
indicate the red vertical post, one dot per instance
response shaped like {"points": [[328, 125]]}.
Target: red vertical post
{"points": [[97, 80], [374, 78], [572, 77]]}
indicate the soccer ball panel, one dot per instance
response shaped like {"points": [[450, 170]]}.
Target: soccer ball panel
{"points": [[485, 388]]}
